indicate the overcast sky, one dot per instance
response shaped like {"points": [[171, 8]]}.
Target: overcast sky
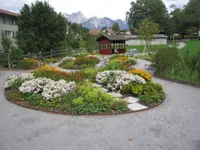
{"points": [[114, 9]]}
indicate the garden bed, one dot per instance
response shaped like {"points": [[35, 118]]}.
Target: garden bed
{"points": [[51, 89], [80, 62]]}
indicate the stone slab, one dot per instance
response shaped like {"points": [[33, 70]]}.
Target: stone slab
{"points": [[131, 100], [136, 107], [115, 94]]}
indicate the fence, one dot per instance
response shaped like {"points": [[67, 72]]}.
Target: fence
{"points": [[12, 60]]}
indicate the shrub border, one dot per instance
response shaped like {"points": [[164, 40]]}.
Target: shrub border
{"points": [[52, 111]]}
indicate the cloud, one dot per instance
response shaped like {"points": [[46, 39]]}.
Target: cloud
{"points": [[115, 9]]}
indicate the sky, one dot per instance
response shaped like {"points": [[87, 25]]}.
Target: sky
{"points": [[114, 9]]}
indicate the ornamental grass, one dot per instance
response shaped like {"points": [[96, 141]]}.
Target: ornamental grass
{"points": [[142, 73]]}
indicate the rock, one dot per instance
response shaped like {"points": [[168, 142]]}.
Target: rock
{"points": [[136, 107]]}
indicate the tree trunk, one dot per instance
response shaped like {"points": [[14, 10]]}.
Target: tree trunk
{"points": [[9, 63], [182, 35]]}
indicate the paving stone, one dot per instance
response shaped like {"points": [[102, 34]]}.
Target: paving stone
{"points": [[131, 99], [96, 85], [115, 94], [136, 106]]}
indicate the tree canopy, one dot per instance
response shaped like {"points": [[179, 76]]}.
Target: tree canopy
{"points": [[116, 27], [147, 30], [155, 10], [40, 28]]}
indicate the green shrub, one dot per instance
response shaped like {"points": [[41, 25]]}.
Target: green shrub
{"points": [[150, 99], [153, 94], [117, 64], [49, 60], [94, 100], [79, 63], [26, 64], [149, 93], [165, 59], [90, 73], [133, 88]]}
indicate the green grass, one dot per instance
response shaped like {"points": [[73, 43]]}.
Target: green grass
{"points": [[140, 48], [192, 46]]}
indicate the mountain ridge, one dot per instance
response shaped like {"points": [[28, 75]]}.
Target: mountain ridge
{"points": [[94, 22]]}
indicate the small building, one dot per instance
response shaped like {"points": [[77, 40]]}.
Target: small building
{"points": [[111, 44]]}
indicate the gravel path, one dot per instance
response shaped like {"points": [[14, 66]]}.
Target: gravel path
{"points": [[174, 125]]}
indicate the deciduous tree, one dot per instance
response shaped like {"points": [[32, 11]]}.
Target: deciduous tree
{"points": [[41, 28]]}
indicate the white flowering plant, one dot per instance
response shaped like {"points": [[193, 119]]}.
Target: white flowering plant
{"points": [[11, 79], [114, 80], [48, 88]]}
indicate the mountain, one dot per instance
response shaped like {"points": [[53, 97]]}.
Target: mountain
{"points": [[97, 23], [94, 22], [77, 17]]}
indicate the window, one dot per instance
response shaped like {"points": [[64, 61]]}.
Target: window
{"points": [[13, 34], [4, 19], [8, 33], [12, 21]]}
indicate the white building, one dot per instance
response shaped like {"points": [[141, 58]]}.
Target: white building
{"points": [[159, 39]]}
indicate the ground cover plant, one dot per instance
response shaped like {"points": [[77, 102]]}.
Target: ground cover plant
{"points": [[80, 62], [28, 63]]}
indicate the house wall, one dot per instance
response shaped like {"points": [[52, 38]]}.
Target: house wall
{"points": [[8, 26], [161, 41]]}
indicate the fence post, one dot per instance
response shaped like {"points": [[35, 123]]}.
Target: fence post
{"points": [[40, 57], [28, 55], [51, 54]]}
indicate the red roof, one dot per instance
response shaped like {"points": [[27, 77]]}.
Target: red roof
{"points": [[8, 13]]}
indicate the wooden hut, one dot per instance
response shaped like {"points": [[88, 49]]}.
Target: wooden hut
{"points": [[112, 44]]}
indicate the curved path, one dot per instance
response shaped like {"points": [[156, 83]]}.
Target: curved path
{"points": [[174, 125]]}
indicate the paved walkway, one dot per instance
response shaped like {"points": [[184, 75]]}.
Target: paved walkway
{"points": [[174, 125]]}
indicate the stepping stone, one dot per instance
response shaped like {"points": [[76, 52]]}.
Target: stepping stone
{"points": [[105, 90], [115, 94], [96, 85], [136, 107], [131, 100]]}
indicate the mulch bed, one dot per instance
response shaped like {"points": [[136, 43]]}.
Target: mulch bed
{"points": [[25, 104]]}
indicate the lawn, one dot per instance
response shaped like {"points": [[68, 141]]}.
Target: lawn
{"points": [[192, 46], [140, 48]]}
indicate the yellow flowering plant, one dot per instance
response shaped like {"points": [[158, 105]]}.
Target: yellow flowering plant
{"points": [[142, 73]]}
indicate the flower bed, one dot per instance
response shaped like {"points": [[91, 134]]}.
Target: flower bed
{"points": [[61, 96], [55, 73], [118, 62], [147, 76], [80, 62], [148, 92]]}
